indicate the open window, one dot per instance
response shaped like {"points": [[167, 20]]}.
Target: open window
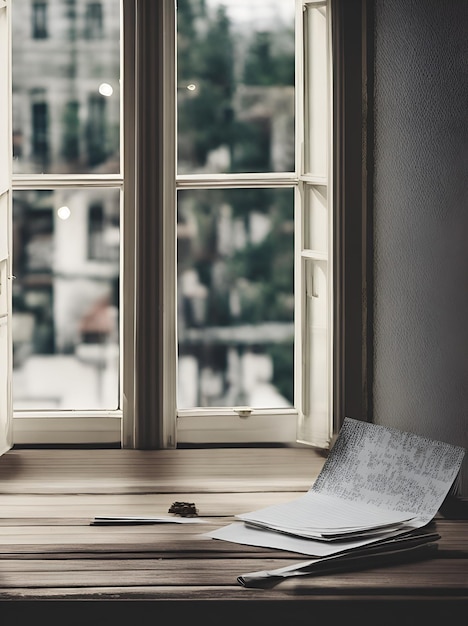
{"points": [[196, 221], [244, 244], [5, 232]]}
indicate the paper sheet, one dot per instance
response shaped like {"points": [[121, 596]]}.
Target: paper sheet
{"points": [[372, 467], [407, 548], [389, 468], [238, 532], [321, 515], [117, 520]]}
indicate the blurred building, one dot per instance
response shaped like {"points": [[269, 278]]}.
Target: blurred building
{"points": [[66, 121]]}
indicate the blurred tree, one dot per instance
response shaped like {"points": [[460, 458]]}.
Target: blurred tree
{"points": [[261, 272], [205, 61], [282, 355], [262, 67]]}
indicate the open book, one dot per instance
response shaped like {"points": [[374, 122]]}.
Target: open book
{"points": [[379, 486]]}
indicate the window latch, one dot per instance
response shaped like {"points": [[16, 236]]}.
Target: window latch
{"points": [[243, 411]]}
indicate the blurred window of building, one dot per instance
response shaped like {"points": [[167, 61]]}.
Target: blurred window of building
{"points": [[96, 130], [39, 20], [40, 126], [71, 131], [93, 20], [67, 91]]}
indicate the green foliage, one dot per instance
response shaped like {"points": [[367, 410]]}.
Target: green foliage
{"points": [[282, 355], [262, 67], [251, 151], [267, 268], [206, 59], [261, 273]]}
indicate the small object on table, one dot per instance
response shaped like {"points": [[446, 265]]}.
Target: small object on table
{"points": [[185, 509]]}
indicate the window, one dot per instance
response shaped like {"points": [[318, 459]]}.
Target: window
{"points": [[235, 249], [39, 20], [6, 435], [96, 139], [103, 232], [71, 131], [67, 218], [253, 256], [206, 283], [93, 20], [40, 128]]}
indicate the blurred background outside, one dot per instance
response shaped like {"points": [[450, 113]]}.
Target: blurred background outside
{"points": [[235, 107]]}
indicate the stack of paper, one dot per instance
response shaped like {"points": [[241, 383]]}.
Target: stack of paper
{"points": [[328, 518], [377, 489]]}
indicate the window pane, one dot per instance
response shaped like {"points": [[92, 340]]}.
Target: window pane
{"points": [[5, 170], [66, 100], [316, 358], [235, 297], [4, 385], [235, 86], [65, 299], [316, 90], [39, 20], [316, 218]]}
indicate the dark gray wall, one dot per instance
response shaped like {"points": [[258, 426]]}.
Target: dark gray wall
{"points": [[421, 219]]}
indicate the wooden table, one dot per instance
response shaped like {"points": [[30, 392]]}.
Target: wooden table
{"points": [[55, 564]]}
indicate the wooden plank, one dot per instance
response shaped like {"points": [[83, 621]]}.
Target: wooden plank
{"points": [[266, 469], [60, 507], [424, 578]]}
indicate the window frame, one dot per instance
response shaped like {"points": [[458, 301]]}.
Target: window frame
{"points": [[146, 418], [213, 426], [101, 428], [6, 147]]}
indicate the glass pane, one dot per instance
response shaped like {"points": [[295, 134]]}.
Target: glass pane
{"points": [[5, 379], [4, 288], [316, 90], [235, 86], [5, 171], [316, 219], [66, 99], [65, 299], [313, 425], [4, 221], [235, 298]]}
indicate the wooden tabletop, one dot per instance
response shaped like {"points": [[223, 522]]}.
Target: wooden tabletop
{"points": [[51, 554]]}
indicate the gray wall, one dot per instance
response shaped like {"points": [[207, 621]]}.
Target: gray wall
{"points": [[421, 219]]}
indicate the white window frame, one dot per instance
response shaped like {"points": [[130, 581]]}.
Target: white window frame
{"points": [[97, 427], [244, 424], [213, 426], [6, 437]]}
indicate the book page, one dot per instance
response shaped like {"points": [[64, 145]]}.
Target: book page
{"points": [[389, 468]]}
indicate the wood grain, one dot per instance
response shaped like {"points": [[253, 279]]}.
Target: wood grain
{"points": [[51, 552]]}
